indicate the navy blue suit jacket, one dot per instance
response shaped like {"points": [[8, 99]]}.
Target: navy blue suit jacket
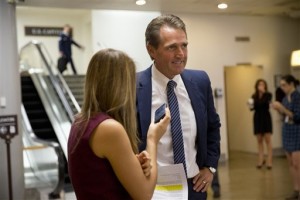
{"points": [[65, 44], [198, 87]]}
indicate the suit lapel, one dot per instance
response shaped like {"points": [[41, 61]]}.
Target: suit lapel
{"points": [[195, 97], [144, 100]]}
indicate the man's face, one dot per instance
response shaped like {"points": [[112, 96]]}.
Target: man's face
{"points": [[171, 55], [67, 30], [287, 88]]}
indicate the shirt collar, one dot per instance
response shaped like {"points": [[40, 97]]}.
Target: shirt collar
{"points": [[161, 79]]}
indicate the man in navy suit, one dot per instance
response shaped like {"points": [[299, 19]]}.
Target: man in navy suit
{"points": [[65, 44], [166, 42]]}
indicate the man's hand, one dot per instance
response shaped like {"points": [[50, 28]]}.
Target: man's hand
{"points": [[203, 180], [145, 159]]}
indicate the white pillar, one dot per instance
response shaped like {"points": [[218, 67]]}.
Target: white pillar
{"points": [[10, 101]]}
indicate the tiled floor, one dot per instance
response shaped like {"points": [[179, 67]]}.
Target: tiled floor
{"points": [[239, 179]]}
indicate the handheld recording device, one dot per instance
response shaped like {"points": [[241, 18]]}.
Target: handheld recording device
{"points": [[160, 113]]}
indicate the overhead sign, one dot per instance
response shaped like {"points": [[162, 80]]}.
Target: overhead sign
{"points": [[8, 126], [42, 31]]}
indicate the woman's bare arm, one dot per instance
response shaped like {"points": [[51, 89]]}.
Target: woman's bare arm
{"points": [[110, 141]]}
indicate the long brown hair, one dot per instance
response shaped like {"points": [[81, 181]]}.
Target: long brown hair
{"points": [[256, 94], [110, 88]]}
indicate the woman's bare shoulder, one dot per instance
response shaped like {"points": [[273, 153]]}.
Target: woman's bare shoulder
{"points": [[107, 134]]}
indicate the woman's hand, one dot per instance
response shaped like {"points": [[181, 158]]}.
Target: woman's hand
{"points": [[145, 161], [157, 130]]}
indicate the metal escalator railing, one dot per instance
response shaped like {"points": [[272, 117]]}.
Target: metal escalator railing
{"points": [[59, 121], [62, 83], [56, 78], [64, 86], [67, 90], [36, 66], [56, 85], [35, 144]]}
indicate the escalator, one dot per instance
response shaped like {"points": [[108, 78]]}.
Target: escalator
{"points": [[48, 108], [46, 96], [40, 102], [43, 161], [35, 110]]}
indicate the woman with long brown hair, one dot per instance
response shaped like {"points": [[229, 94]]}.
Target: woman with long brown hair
{"points": [[103, 141]]}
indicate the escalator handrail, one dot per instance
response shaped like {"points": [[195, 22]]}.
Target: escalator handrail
{"points": [[32, 42], [68, 91], [47, 53], [55, 84], [64, 84]]}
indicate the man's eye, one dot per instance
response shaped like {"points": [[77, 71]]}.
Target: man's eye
{"points": [[171, 48]]}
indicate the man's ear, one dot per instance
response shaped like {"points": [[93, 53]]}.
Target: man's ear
{"points": [[151, 51]]}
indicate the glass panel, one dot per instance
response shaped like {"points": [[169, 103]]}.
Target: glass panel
{"points": [[30, 58], [35, 56], [40, 162], [47, 56]]}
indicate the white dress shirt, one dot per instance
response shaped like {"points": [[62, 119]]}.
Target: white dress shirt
{"points": [[188, 122]]}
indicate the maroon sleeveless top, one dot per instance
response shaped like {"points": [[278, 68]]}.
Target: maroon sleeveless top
{"points": [[92, 177]]}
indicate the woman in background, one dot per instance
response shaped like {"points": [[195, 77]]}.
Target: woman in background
{"points": [[103, 139], [262, 122], [290, 109]]}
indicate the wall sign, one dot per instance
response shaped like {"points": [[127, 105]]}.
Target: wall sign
{"points": [[8, 126], [8, 129], [43, 31]]}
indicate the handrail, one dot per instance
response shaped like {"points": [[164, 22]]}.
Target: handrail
{"points": [[68, 91], [47, 53], [28, 44], [64, 84], [56, 86], [55, 82]]}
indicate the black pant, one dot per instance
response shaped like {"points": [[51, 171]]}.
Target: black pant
{"points": [[193, 195], [70, 60], [215, 185]]}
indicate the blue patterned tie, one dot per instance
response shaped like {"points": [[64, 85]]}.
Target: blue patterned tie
{"points": [[176, 131]]}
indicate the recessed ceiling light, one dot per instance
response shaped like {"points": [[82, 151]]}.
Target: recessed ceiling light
{"points": [[140, 2], [222, 6]]}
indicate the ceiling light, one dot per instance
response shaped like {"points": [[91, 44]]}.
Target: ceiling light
{"points": [[140, 2], [295, 58], [222, 6]]}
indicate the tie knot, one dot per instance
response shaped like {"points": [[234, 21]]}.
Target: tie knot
{"points": [[171, 84]]}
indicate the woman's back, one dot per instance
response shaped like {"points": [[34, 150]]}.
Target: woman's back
{"points": [[92, 177]]}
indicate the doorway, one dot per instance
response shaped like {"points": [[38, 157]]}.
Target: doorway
{"points": [[239, 87]]}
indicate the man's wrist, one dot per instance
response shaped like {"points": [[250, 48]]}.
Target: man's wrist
{"points": [[212, 170]]}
